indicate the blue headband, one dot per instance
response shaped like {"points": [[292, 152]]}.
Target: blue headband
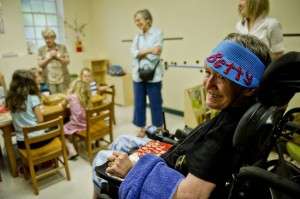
{"points": [[237, 63]]}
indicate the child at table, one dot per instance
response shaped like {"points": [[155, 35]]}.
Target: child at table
{"points": [[78, 99], [23, 100], [86, 75], [44, 88]]}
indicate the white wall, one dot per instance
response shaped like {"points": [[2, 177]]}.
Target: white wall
{"points": [[201, 23]]}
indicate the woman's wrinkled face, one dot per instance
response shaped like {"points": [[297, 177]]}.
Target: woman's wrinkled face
{"points": [[86, 76], [141, 23], [50, 41], [241, 7], [221, 93]]}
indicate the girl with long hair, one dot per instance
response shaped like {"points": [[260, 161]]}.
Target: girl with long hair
{"points": [[78, 99]]}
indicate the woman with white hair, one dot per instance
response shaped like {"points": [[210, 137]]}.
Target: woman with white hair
{"points": [[146, 50], [53, 58]]}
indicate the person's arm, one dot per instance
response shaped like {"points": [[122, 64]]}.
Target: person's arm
{"points": [[155, 50], [63, 60], [276, 39], [42, 63], [61, 54], [38, 114], [134, 47], [277, 55], [189, 187], [64, 103], [193, 187], [53, 54]]}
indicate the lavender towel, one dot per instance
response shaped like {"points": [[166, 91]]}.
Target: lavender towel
{"points": [[150, 178]]}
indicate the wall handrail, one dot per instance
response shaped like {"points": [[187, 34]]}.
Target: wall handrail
{"points": [[165, 39], [291, 34]]}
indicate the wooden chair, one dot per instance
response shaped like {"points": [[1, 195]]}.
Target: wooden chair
{"points": [[51, 151], [99, 125], [110, 90]]}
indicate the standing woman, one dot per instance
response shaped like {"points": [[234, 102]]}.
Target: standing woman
{"points": [[255, 21], [53, 58], [146, 50]]}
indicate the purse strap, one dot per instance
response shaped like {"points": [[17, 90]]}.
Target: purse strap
{"points": [[137, 45], [149, 60]]}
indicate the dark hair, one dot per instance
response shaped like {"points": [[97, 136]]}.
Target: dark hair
{"points": [[22, 84], [253, 44]]}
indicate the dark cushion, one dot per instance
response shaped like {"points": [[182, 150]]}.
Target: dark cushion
{"points": [[253, 135], [281, 80]]}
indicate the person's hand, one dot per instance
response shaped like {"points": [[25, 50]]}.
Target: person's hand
{"points": [[119, 164], [42, 108], [156, 50], [53, 53]]}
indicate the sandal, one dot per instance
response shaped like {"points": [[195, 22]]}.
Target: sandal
{"points": [[73, 157], [142, 133]]}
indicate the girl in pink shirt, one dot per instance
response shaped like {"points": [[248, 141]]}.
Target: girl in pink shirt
{"points": [[78, 99]]}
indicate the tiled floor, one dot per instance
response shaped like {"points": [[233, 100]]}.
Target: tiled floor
{"points": [[80, 186]]}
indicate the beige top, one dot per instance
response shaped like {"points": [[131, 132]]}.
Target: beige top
{"points": [[55, 72]]}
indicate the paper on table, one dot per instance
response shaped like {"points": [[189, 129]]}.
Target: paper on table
{"points": [[5, 117]]}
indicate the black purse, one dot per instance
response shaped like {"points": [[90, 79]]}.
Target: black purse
{"points": [[147, 74]]}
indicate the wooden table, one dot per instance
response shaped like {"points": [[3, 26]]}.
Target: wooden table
{"points": [[49, 113]]}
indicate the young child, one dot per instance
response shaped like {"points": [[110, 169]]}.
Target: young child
{"points": [[38, 78], [78, 99], [86, 75], [23, 99]]}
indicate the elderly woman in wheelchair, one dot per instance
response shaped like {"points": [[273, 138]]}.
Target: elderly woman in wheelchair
{"points": [[200, 165]]}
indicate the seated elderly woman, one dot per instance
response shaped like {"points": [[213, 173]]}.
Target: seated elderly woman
{"points": [[232, 74]]}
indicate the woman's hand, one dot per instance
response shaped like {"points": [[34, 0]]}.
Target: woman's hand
{"points": [[53, 54], [119, 164], [156, 50]]}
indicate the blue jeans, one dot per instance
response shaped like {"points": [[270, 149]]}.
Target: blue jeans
{"points": [[153, 90]]}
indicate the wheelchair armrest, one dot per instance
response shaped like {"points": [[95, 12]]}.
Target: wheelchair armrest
{"points": [[275, 181], [101, 172]]}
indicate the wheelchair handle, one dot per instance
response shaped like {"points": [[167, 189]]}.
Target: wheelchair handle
{"points": [[275, 181]]}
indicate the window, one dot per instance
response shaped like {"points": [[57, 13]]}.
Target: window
{"points": [[39, 14]]}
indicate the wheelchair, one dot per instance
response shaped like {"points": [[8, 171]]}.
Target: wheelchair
{"points": [[257, 136]]}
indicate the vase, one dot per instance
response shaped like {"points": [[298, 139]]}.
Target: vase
{"points": [[78, 45]]}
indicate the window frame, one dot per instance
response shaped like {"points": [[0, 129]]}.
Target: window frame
{"points": [[37, 13]]}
